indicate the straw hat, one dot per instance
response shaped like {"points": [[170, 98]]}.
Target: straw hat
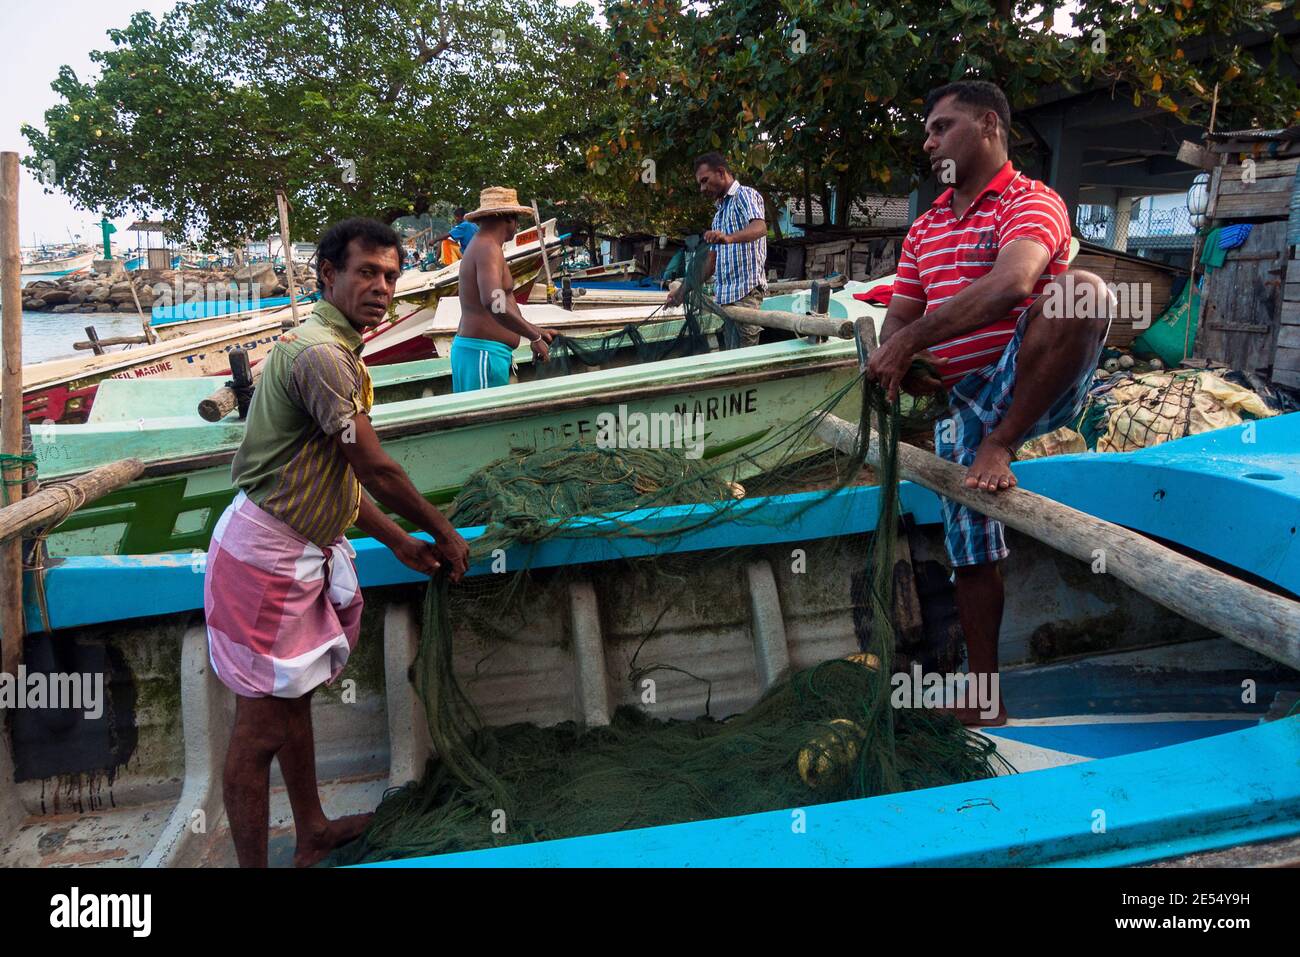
{"points": [[498, 201]]}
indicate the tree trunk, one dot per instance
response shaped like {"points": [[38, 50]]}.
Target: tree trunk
{"points": [[773, 215], [843, 198], [807, 197]]}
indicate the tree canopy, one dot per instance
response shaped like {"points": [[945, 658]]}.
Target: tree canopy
{"points": [[832, 89], [381, 107], [389, 107]]}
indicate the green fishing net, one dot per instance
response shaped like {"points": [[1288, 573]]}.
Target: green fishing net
{"points": [[704, 327], [825, 733], [808, 740], [693, 335]]}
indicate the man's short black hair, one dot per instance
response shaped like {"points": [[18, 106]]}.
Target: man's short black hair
{"points": [[334, 241], [460, 212], [980, 94], [714, 160]]}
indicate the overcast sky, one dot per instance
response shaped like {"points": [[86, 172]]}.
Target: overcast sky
{"points": [[42, 37]]}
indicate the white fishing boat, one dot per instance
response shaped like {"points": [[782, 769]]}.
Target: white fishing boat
{"points": [[63, 390], [56, 261]]}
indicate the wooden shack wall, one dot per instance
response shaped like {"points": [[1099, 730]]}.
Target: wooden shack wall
{"points": [[1286, 360], [1238, 323], [1248, 320], [1125, 272], [860, 258]]}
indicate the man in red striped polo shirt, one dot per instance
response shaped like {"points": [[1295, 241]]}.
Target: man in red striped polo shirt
{"points": [[981, 294]]}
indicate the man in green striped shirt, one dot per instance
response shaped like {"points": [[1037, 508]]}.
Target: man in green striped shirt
{"points": [[281, 595]]}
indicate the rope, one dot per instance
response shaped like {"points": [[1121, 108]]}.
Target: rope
{"points": [[637, 771], [20, 463], [73, 498]]}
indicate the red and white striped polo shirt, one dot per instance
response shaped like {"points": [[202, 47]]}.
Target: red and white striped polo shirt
{"points": [[943, 254]]}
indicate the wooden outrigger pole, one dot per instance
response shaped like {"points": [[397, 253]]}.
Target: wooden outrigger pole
{"points": [[1251, 616], [282, 204], [11, 413]]}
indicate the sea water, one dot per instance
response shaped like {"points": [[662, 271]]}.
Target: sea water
{"points": [[49, 335]]}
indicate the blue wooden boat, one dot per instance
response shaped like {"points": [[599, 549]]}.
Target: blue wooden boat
{"points": [[1133, 736], [211, 309]]}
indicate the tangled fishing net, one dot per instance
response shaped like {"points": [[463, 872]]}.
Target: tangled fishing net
{"points": [[826, 733], [703, 327]]}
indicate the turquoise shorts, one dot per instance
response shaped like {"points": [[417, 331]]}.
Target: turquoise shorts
{"points": [[479, 364]]}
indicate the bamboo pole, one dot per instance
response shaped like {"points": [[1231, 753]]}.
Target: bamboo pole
{"points": [[150, 335], [541, 243], [11, 411], [792, 322], [111, 341], [52, 503], [1193, 300], [282, 204], [795, 285], [1249, 615]]}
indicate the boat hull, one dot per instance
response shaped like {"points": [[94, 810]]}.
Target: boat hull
{"points": [[1107, 727], [63, 391], [58, 267], [441, 441]]}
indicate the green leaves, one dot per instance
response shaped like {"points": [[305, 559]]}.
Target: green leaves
{"points": [[207, 111], [204, 112], [847, 110]]}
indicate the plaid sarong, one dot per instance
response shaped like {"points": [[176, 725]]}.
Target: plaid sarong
{"points": [[977, 403], [283, 614]]}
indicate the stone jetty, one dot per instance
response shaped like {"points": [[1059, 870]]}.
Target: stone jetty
{"points": [[112, 293]]}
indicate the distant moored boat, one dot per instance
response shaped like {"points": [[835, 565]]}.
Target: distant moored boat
{"points": [[56, 263]]}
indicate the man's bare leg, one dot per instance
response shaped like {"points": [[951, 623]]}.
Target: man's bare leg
{"points": [[1054, 354], [260, 729], [316, 835], [1057, 350], [979, 606]]}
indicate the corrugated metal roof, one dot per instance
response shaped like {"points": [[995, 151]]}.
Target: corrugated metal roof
{"points": [[1255, 136], [879, 211]]}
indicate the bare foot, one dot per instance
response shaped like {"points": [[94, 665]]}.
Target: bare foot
{"points": [[991, 470], [317, 846]]}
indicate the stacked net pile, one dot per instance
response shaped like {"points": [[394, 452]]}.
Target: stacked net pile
{"points": [[807, 741], [823, 734], [1129, 412], [643, 341]]}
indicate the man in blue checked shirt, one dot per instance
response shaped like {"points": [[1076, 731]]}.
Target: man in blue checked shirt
{"points": [[738, 257]]}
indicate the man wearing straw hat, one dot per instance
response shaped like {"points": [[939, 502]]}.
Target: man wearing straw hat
{"points": [[491, 324]]}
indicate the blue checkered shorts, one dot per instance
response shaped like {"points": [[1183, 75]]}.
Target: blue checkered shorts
{"points": [[978, 402]]}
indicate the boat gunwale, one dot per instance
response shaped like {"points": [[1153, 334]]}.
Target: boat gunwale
{"points": [[496, 413]]}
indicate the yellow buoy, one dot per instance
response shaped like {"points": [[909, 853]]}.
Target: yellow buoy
{"points": [[866, 659], [825, 760]]}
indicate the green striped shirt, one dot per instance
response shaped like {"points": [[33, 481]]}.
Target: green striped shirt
{"points": [[289, 463]]}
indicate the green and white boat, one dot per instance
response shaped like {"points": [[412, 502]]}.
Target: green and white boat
{"points": [[438, 437]]}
